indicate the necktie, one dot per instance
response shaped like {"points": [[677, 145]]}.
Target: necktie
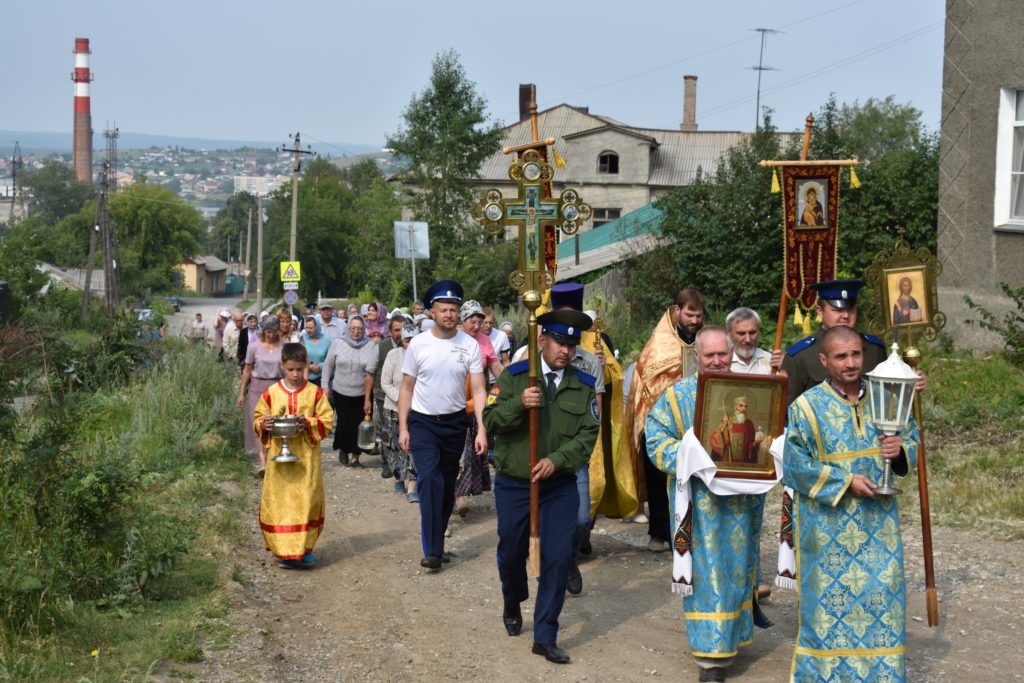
{"points": [[552, 386]]}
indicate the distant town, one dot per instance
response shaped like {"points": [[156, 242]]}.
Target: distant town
{"points": [[205, 178]]}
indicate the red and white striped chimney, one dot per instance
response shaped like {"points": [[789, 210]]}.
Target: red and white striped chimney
{"points": [[81, 154]]}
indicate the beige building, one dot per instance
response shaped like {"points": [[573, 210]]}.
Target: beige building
{"points": [[259, 185], [981, 164], [617, 168], [204, 275]]}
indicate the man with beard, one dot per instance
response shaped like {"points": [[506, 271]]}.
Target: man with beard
{"points": [[719, 533], [737, 439], [667, 356], [744, 326]]}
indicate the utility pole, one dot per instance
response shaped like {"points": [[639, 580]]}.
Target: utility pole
{"points": [[16, 164], [248, 256], [296, 167], [760, 68], [111, 248], [89, 262], [259, 252]]}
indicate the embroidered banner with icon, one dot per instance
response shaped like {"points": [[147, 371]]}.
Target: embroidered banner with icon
{"points": [[810, 207]]}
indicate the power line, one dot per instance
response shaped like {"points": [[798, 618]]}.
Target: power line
{"points": [[759, 69], [827, 69], [704, 53]]}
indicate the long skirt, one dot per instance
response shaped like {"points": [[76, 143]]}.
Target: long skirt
{"points": [[399, 462], [350, 414], [256, 388], [476, 475]]}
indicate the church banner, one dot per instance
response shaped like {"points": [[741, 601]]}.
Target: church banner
{"points": [[810, 207]]}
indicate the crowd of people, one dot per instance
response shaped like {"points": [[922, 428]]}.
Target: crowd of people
{"points": [[449, 392]]}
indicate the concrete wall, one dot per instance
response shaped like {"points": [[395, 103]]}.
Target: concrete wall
{"points": [[582, 154], [984, 54]]}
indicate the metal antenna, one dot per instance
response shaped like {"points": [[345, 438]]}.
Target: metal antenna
{"points": [[759, 68]]}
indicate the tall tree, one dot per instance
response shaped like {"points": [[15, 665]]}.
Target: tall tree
{"points": [[55, 190], [229, 223], [157, 230], [446, 135]]}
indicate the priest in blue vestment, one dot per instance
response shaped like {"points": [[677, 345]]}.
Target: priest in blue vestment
{"points": [[849, 555], [719, 534]]}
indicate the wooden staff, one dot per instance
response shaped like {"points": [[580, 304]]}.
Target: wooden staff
{"points": [[784, 301], [532, 301], [913, 357]]}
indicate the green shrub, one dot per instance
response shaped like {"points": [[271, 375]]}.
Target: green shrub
{"points": [[1011, 328]]}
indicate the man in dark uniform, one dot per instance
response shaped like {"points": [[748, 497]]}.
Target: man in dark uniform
{"points": [[569, 423], [837, 305]]}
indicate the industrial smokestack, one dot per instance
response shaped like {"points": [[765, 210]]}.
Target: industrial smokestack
{"points": [[527, 94], [689, 104], [81, 153]]}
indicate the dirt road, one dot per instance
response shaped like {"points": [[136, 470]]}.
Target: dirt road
{"points": [[368, 612]]}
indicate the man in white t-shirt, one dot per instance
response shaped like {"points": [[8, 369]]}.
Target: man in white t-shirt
{"points": [[744, 326], [432, 418]]}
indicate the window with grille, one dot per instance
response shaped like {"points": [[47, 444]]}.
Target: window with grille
{"points": [[602, 216]]}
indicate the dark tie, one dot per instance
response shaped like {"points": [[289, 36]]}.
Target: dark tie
{"points": [[552, 386]]}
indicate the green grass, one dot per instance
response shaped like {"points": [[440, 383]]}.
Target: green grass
{"points": [[158, 423], [974, 438]]}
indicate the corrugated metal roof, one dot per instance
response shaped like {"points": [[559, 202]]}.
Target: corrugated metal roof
{"points": [[675, 158], [556, 122], [644, 221]]}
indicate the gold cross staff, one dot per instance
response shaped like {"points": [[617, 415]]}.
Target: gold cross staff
{"points": [[531, 212]]}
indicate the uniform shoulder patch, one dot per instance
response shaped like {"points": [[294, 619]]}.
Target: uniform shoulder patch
{"points": [[800, 345], [518, 368], [594, 412], [493, 394], [872, 339], [586, 378]]}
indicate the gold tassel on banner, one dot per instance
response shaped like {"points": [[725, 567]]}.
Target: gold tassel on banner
{"points": [[775, 182], [798, 317], [817, 316], [854, 180], [560, 161], [807, 324]]}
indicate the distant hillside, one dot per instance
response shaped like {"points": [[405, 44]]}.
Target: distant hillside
{"points": [[41, 142], [386, 161]]}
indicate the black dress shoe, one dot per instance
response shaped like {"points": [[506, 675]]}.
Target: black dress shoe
{"points": [[512, 617], [575, 584], [552, 653], [343, 457], [714, 673], [447, 557], [430, 562]]}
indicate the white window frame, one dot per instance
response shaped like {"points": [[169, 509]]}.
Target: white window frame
{"points": [[1006, 124]]}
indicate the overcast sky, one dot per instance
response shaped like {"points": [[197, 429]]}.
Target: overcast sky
{"points": [[343, 71]]}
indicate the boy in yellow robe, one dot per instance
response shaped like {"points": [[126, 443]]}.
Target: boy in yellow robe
{"points": [[292, 504]]}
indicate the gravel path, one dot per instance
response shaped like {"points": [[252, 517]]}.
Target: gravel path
{"points": [[367, 612]]}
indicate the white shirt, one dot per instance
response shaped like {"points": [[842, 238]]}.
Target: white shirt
{"points": [[499, 340], [545, 369], [440, 367], [760, 363]]}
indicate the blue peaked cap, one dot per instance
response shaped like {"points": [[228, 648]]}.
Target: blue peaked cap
{"points": [[567, 295], [564, 326], [446, 291], [839, 293]]}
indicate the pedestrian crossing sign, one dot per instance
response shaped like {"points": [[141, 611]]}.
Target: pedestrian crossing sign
{"points": [[290, 271]]}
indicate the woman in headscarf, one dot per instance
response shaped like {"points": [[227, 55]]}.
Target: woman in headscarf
{"points": [[376, 321], [262, 368], [348, 373], [317, 346], [474, 477], [399, 462]]}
